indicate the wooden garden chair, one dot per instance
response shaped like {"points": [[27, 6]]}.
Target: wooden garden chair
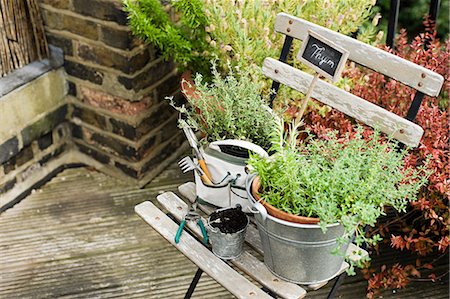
{"points": [[424, 81]]}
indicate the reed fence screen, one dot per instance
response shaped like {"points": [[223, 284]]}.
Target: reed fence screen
{"points": [[22, 37]]}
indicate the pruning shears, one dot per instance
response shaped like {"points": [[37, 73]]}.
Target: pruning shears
{"points": [[192, 215]]}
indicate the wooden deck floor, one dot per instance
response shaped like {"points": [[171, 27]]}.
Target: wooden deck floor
{"points": [[78, 237]]}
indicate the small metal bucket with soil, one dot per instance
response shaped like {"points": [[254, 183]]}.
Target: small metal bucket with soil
{"points": [[226, 229]]}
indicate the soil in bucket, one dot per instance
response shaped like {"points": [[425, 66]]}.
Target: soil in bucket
{"points": [[228, 221]]}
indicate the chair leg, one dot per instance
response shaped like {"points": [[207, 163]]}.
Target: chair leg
{"points": [[193, 284], [336, 285]]}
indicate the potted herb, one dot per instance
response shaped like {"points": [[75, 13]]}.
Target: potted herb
{"points": [[229, 107], [233, 119], [344, 184]]}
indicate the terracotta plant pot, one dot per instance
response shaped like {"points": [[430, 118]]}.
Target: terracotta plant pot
{"points": [[271, 210], [188, 86]]}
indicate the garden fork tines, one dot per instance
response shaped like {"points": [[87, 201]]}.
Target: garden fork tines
{"points": [[186, 164]]}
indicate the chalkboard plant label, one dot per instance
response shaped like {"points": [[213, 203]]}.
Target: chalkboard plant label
{"points": [[323, 56]]}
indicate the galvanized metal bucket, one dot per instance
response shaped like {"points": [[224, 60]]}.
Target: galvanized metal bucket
{"points": [[226, 246], [299, 253]]}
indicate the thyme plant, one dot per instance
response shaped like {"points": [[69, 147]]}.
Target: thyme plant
{"points": [[348, 181], [230, 107]]}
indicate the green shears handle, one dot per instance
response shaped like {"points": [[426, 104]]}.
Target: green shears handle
{"points": [[179, 231], [181, 227], [202, 228]]}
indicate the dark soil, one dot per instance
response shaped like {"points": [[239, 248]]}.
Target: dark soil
{"points": [[229, 221]]}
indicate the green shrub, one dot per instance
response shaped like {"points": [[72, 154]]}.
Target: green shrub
{"points": [[183, 41]]}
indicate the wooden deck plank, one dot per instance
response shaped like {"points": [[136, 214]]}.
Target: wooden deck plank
{"points": [[79, 237]]}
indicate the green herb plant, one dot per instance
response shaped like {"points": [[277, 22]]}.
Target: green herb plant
{"points": [[230, 107], [182, 37], [347, 181]]}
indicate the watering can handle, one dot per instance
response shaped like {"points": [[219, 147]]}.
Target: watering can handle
{"points": [[258, 208], [240, 143]]}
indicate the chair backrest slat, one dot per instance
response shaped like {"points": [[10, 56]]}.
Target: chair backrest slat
{"points": [[400, 69], [393, 125]]}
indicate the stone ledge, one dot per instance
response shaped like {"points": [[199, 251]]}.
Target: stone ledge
{"points": [[47, 91], [31, 71]]}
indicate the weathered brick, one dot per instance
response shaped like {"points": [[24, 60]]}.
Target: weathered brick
{"points": [[147, 147], [160, 115], [109, 58], [24, 156], [123, 129], [61, 42], [52, 19], [45, 159], [170, 129], [90, 117], [84, 72], [115, 146], [93, 153], [139, 60], [7, 186], [159, 158], [9, 165], [45, 141], [44, 125], [9, 149], [61, 131], [72, 88], [127, 170], [64, 4], [76, 131], [54, 154], [166, 152], [147, 78], [101, 99], [80, 26], [102, 9], [118, 38], [168, 87]]}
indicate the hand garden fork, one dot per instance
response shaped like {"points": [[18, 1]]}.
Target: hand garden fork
{"points": [[186, 164]]}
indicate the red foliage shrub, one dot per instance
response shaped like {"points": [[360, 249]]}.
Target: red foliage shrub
{"points": [[423, 230]]}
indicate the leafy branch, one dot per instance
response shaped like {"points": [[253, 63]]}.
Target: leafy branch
{"points": [[183, 41]]}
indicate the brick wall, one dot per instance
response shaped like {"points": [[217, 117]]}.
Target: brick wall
{"points": [[117, 87]]}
